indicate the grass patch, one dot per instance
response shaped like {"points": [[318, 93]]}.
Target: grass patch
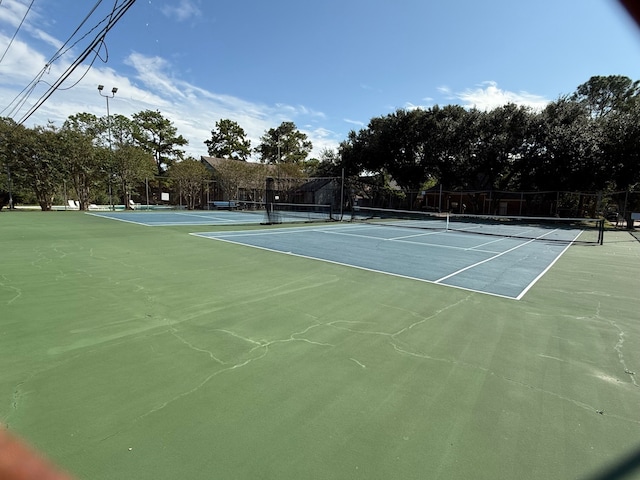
{"points": [[212, 360]]}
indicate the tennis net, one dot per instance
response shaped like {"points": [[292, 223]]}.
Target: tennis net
{"points": [[276, 212], [568, 230]]}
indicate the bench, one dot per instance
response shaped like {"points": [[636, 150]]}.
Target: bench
{"points": [[224, 205]]}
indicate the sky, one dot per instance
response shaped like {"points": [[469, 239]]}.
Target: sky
{"points": [[327, 66]]}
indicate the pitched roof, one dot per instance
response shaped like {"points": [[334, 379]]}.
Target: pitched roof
{"points": [[315, 184], [213, 162]]}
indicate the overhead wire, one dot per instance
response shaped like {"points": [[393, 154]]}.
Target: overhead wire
{"points": [[95, 46], [17, 30], [26, 92], [102, 44]]}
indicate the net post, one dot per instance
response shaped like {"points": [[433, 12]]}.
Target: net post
{"points": [[270, 218]]}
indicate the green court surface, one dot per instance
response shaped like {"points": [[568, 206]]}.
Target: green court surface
{"points": [[130, 352]]}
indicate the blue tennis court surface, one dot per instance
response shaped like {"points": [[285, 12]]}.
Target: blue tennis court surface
{"points": [[505, 267], [185, 217]]}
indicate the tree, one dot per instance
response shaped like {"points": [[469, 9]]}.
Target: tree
{"points": [[38, 163], [622, 154], [11, 138], [502, 137], [190, 176], [81, 161], [602, 95], [233, 175], [159, 137], [566, 149], [352, 152], [328, 165], [228, 140], [284, 144], [132, 166], [129, 164], [450, 136]]}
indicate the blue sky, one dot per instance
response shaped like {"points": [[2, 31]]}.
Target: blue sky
{"points": [[328, 66]]}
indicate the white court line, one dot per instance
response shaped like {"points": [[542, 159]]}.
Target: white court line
{"points": [[109, 217], [334, 262], [151, 223], [494, 257], [400, 240], [534, 281], [418, 235], [253, 233], [223, 237], [208, 217], [457, 233], [488, 243]]}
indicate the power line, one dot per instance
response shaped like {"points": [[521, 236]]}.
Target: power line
{"points": [[95, 46], [113, 18], [28, 90], [17, 30]]}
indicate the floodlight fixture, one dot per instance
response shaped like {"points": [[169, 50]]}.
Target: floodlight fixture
{"points": [[113, 93]]}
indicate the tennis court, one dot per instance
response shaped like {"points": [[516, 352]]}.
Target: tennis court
{"points": [[136, 352], [280, 213], [184, 217], [502, 266]]}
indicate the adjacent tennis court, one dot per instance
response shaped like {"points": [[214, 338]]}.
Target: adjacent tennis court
{"points": [[247, 213], [185, 217], [500, 266]]}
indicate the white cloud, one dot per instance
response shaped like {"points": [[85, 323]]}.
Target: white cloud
{"points": [[357, 123], [488, 96], [152, 71], [12, 12], [185, 10], [445, 91], [410, 106], [154, 84]]}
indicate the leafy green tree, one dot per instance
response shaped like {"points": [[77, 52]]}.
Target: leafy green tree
{"points": [[621, 131], [228, 140], [328, 165], [396, 147], [285, 144], [129, 163], [12, 137], [353, 152], [451, 134], [131, 166], [123, 131], [38, 163], [233, 175], [567, 151], [602, 95], [158, 136], [190, 176], [622, 147], [501, 141], [82, 164]]}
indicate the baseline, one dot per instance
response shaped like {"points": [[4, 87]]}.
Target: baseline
{"points": [[508, 268]]}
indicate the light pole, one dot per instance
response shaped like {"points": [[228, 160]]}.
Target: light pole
{"points": [[113, 94], [9, 185]]}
